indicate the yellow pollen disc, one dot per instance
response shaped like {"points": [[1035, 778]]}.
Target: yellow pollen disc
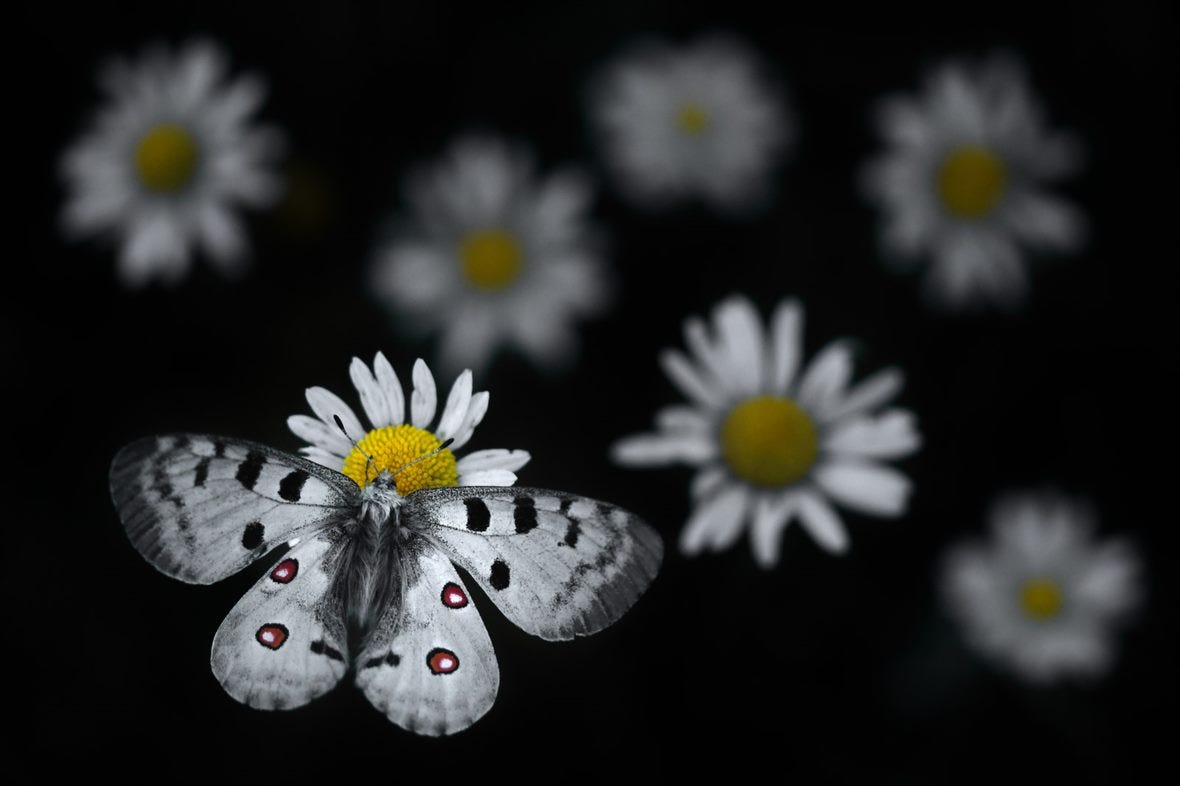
{"points": [[392, 448], [491, 258], [166, 158], [692, 118], [971, 181], [1041, 598], [769, 441]]}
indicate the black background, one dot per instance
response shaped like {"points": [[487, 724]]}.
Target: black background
{"points": [[840, 670]]}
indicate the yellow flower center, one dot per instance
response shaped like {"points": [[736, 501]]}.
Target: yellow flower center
{"points": [[1041, 599], [491, 258], [392, 448], [693, 118], [166, 158], [971, 181], [769, 441]]}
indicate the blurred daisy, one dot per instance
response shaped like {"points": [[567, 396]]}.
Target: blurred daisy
{"points": [[492, 256], [1042, 597], [393, 441], [697, 121], [963, 183], [167, 161], [772, 442]]}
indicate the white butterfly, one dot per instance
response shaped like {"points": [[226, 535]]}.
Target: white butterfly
{"points": [[370, 583]]}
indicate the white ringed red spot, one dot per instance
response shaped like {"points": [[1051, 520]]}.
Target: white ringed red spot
{"points": [[441, 661], [272, 635], [453, 596], [285, 571]]}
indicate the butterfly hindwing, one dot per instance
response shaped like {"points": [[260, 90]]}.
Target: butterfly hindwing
{"points": [[200, 508], [429, 664], [285, 642], [557, 565]]}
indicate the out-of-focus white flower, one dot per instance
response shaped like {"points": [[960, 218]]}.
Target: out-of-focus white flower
{"points": [[168, 160], [492, 256], [395, 440], [771, 440], [1042, 597], [962, 183], [696, 121]]}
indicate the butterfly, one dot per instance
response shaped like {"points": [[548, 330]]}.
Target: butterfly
{"points": [[370, 583]]}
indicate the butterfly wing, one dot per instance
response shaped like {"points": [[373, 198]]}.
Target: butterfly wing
{"points": [[285, 642], [429, 664], [200, 508], [558, 565]]}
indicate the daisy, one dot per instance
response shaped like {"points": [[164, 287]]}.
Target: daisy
{"points": [[1042, 597], [697, 121], [393, 441], [963, 183], [167, 161], [493, 256], [770, 441]]}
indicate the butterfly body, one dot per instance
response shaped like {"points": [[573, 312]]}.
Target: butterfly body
{"points": [[370, 582]]}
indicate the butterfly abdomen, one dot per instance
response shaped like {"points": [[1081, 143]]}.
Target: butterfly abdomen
{"points": [[368, 581]]}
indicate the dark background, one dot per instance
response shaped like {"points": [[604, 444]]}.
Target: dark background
{"points": [[840, 670]]}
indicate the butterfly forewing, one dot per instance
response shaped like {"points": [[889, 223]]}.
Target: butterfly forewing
{"points": [[285, 642], [429, 664], [200, 508], [557, 565]]}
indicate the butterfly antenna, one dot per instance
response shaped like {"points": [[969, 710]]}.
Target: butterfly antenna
{"points": [[434, 452], [355, 444]]}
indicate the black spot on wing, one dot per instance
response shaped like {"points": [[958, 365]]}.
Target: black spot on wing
{"points": [[250, 469], [202, 472], [321, 647], [524, 514], [392, 659], [252, 536], [291, 486], [219, 449], [572, 530], [478, 516], [499, 575]]}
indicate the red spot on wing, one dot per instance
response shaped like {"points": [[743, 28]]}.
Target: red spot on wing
{"points": [[442, 661], [272, 636], [285, 571], [453, 596]]}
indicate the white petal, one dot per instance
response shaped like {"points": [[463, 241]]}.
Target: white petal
{"points": [[869, 394], [818, 518], [826, 378], [372, 396], [707, 480], [488, 477], [786, 345], [889, 435], [740, 336], [865, 487], [688, 379], [494, 458], [319, 434], [656, 449], [391, 386], [328, 406], [455, 410], [223, 236], [424, 399], [771, 516], [475, 412], [323, 457], [682, 419], [715, 523]]}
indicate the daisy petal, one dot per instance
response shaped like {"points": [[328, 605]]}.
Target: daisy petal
{"points": [[488, 477], [455, 411], [391, 386], [323, 457], [740, 334], [771, 517], [786, 346], [865, 487], [424, 399], [328, 406], [869, 394], [319, 434], [372, 397], [707, 480], [475, 412], [715, 521], [889, 435], [823, 523], [656, 449], [684, 376], [495, 458], [826, 378]]}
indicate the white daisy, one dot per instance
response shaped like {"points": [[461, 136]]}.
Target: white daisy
{"points": [[167, 161], [393, 442], [772, 442], [700, 121], [1043, 598], [493, 256], [963, 183]]}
